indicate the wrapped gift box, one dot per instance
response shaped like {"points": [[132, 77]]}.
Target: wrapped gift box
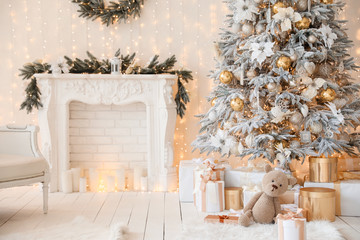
{"points": [[291, 226], [221, 219], [210, 197], [243, 177], [347, 196], [348, 164], [248, 193], [233, 198], [186, 179]]}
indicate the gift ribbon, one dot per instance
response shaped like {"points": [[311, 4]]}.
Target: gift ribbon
{"points": [[299, 222]]}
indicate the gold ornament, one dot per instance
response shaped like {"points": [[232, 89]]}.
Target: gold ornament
{"points": [[213, 101], [284, 62], [327, 95], [327, 1], [304, 23], [226, 77], [237, 104], [276, 7]]}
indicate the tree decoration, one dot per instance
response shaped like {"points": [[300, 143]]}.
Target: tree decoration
{"points": [[248, 29], [284, 62], [327, 1], [295, 87], [237, 104], [213, 101], [114, 13], [226, 77], [304, 23], [245, 10], [96, 66]]}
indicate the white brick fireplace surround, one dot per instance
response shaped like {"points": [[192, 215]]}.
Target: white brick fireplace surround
{"points": [[154, 91]]}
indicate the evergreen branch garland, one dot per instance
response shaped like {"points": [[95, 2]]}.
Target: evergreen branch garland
{"points": [[115, 12], [95, 66]]}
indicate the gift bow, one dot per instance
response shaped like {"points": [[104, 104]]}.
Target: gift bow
{"points": [[290, 215]]}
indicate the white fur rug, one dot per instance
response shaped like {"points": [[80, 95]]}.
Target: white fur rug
{"points": [[78, 229], [206, 231]]}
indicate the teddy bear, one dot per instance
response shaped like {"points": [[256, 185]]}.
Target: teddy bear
{"points": [[265, 205]]}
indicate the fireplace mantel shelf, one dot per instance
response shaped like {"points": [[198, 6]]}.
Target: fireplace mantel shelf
{"points": [[155, 91]]}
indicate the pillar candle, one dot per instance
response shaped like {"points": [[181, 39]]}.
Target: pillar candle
{"points": [[82, 184], [94, 179], [137, 178], [144, 183], [120, 179], [75, 179], [66, 181], [110, 180]]}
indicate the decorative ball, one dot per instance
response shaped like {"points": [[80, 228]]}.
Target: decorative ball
{"points": [[249, 140], [237, 104], [295, 144], [302, 5], [213, 101], [312, 39], [260, 27], [236, 27], [251, 73], [304, 23], [327, 95], [276, 7], [327, 1], [294, 57], [316, 127], [324, 70], [212, 116], [248, 29], [296, 118], [284, 62], [271, 87], [226, 77]]}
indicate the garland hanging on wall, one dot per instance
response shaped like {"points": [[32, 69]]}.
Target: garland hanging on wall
{"points": [[96, 66], [115, 12]]}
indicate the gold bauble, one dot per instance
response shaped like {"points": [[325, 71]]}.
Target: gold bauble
{"points": [[226, 77], [237, 104], [213, 101], [276, 7], [284, 62], [304, 23], [327, 95], [327, 1]]}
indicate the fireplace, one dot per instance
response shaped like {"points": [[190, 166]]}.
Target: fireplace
{"points": [[154, 91]]}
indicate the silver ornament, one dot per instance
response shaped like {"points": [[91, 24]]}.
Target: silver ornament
{"points": [[294, 57], [212, 116], [271, 87], [260, 27], [324, 70], [251, 73], [312, 39], [305, 137], [302, 5], [247, 29], [295, 144], [236, 27], [296, 118], [316, 127]]}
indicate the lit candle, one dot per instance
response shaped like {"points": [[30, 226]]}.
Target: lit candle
{"points": [[144, 183], [120, 179], [75, 179], [110, 183], [137, 177], [82, 184], [94, 178], [66, 181]]}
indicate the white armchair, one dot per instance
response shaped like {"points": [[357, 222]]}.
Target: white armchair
{"points": [[21, 162]]}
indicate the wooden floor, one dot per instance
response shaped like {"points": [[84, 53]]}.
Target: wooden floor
{"points": [[153, 216]]}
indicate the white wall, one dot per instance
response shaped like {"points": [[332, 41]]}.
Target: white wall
{"points": [[48, 29]]}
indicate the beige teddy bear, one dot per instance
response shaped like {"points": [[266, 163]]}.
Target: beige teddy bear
{"points": [[265, 205]]}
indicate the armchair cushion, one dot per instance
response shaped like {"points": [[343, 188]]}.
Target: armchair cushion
{"points": [[16, 167]]}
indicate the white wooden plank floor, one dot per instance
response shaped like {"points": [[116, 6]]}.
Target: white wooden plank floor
{"points": [[150, 216]]}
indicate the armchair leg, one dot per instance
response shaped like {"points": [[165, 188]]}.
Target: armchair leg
{"points": [[45, 196]]}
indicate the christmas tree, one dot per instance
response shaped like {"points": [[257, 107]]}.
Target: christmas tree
{"points": [[283, 85]]}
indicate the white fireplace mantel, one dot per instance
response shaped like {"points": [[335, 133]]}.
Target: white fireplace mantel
{"points": [[155, 91]]}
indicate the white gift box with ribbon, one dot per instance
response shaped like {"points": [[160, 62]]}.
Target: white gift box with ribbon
{"points": [[249, 192], [243, 177], [291, 226], [211, 198]]}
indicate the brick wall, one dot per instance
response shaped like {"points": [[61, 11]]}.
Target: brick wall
{"points": [[107, 136]]}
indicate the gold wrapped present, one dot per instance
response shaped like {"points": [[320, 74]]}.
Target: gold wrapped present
{"points": [[318, 202], [323, 169], [233, 198]]}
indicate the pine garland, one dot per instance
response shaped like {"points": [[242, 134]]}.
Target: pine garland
{"points": [[94, 65], [115, 12]]}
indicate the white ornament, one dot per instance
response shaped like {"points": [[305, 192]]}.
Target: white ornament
{"points": [[236, 27], [294, 57], [312, 87], [59, 66], [251, 73], [295, 144], [234, 150], [312, 39], [244, 10], [337, 113], [296, 118], [316, 127], [305, 137], [304, 110], [249, 140], [310, 67], [328, 35], [247, 29], [286, 16], [278, 114], [212, 116], [272, 87], [260, 28], [260, 51]]}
